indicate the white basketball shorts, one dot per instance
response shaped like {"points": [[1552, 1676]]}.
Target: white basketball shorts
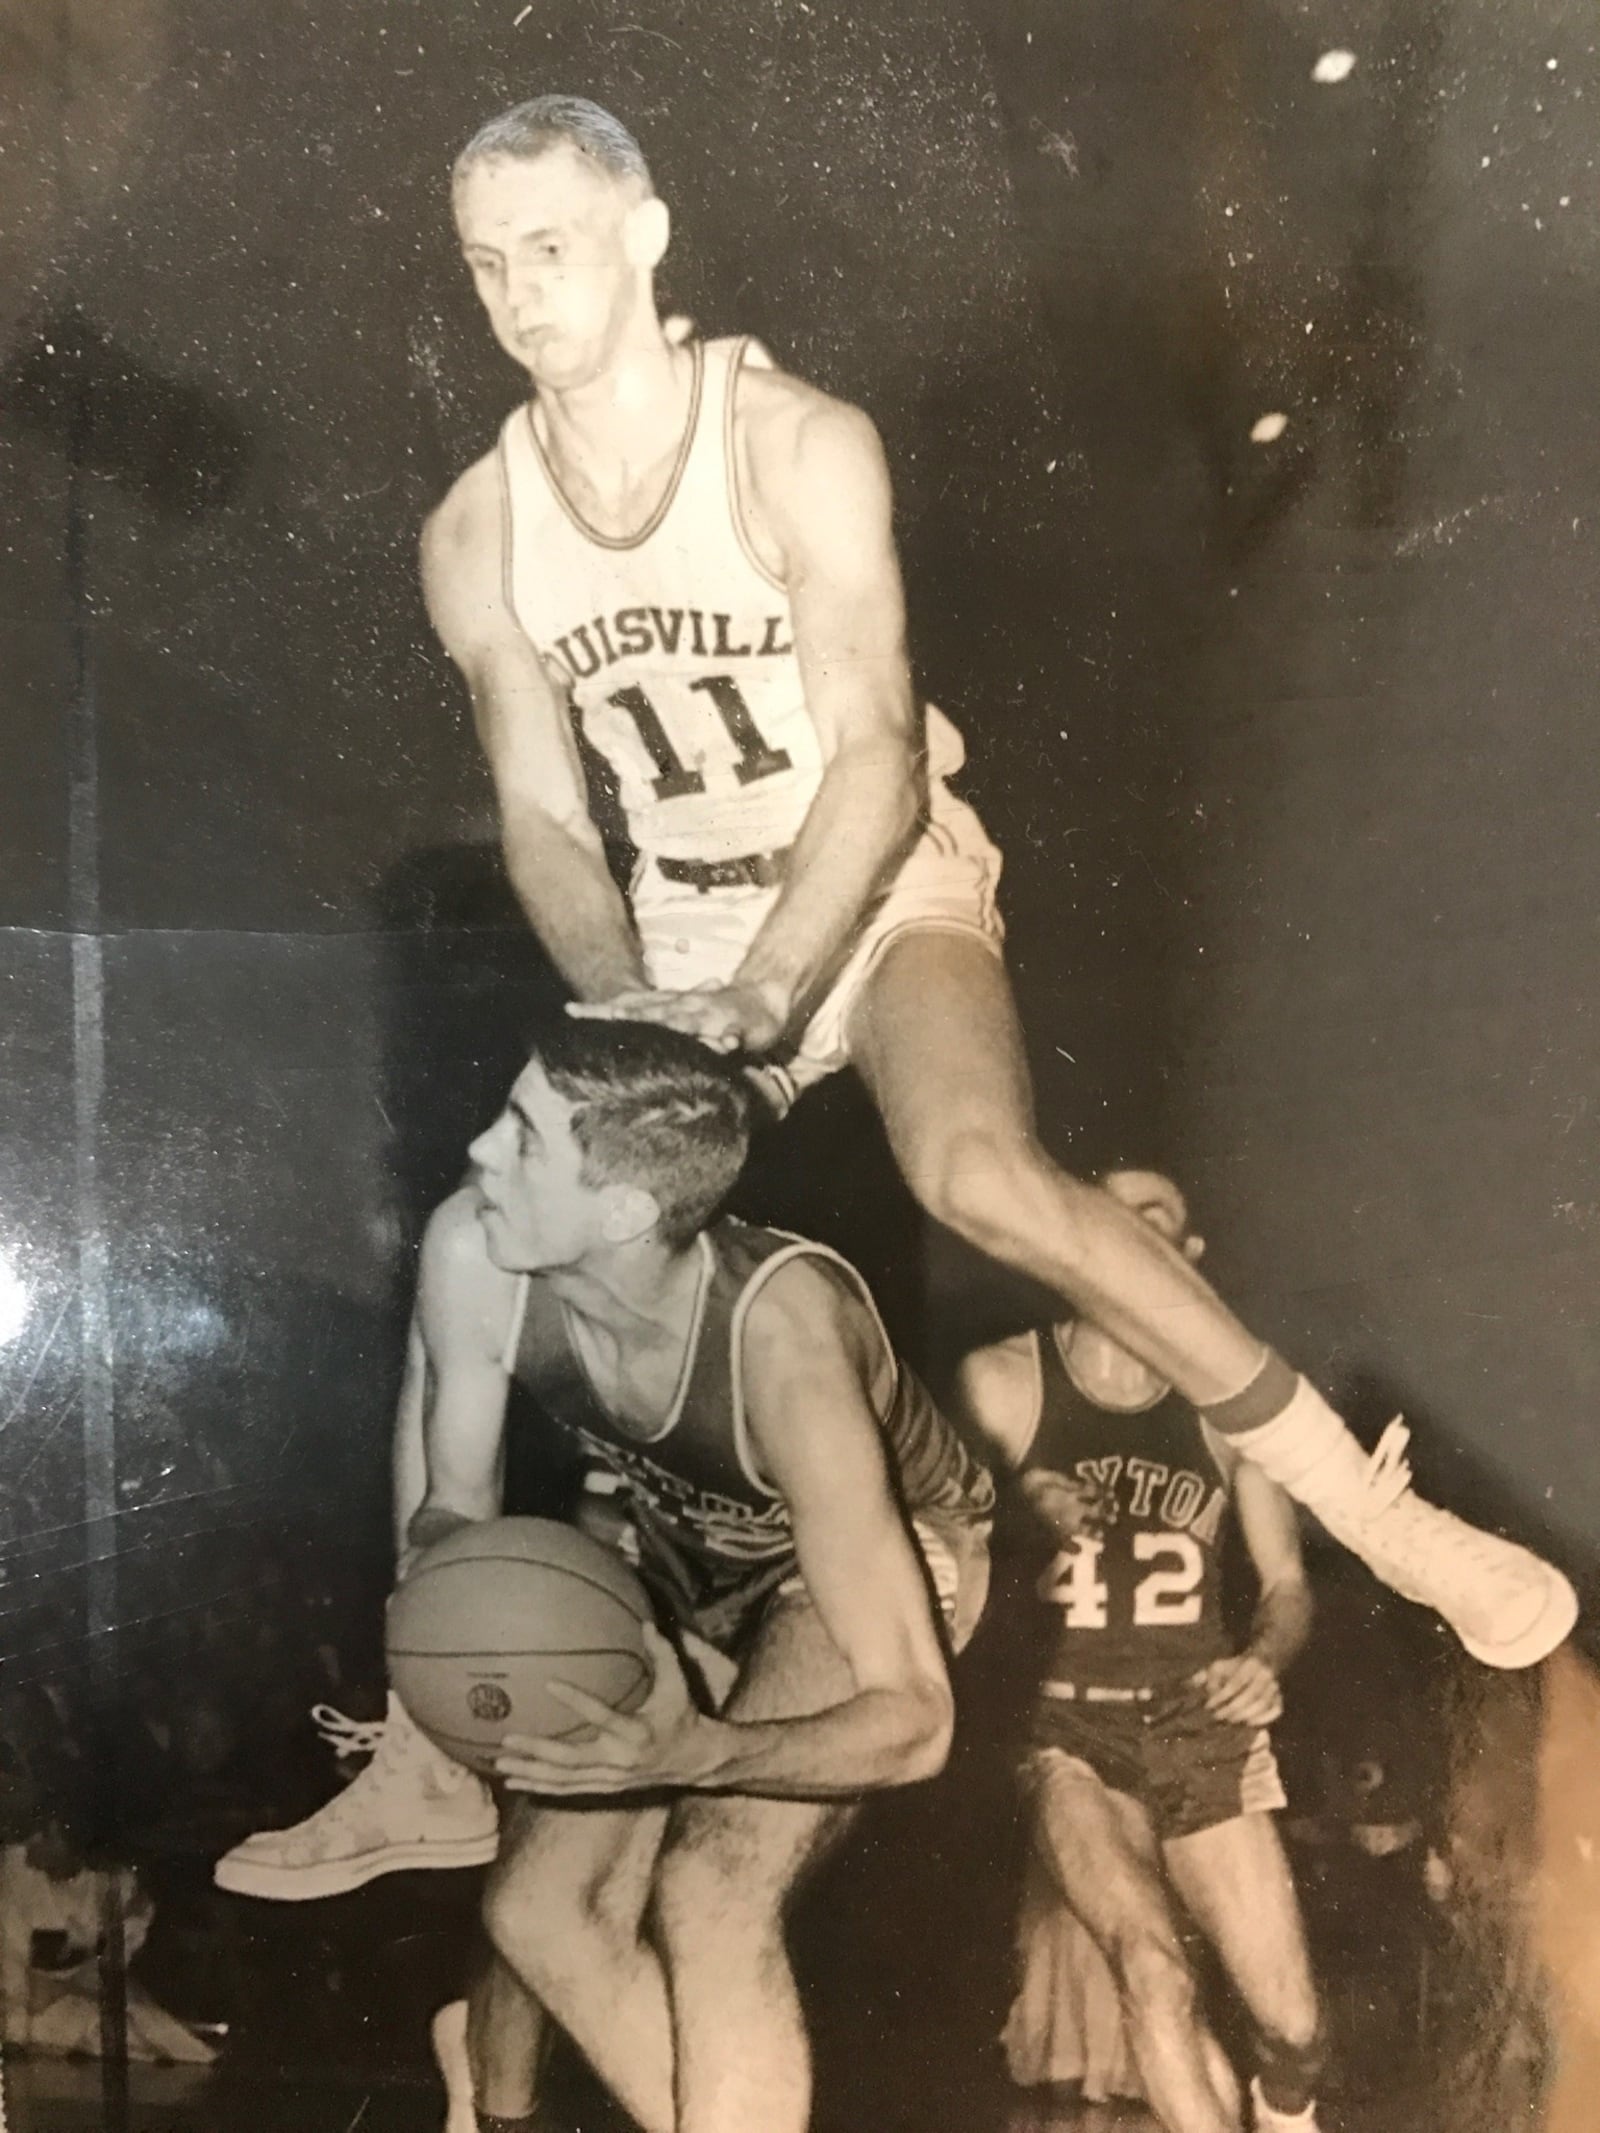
{"points": [[947, 883]]}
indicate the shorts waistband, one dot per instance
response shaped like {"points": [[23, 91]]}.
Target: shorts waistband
{"points": [[754, 870], [1095, 1692]]}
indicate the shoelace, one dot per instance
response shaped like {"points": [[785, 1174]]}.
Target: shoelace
{"points": [[1388, 1470], [347, 1736], [1477, 1554]]}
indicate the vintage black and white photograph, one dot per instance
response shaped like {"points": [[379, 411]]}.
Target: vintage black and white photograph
{"points": [[800, 933]]}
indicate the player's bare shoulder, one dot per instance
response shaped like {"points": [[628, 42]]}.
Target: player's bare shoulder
{"points": [[806, 1315], [463, 1297], [462, 561], [798, 446], [999, 1389], [782, 420]]}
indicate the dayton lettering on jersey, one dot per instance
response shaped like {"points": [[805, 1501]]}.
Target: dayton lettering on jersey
{"points": [[635, 632], [1147, 1488], [721, 1523]]}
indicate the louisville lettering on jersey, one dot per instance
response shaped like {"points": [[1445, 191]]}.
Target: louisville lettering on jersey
{"points": [[737, 1531], [636, 632]]}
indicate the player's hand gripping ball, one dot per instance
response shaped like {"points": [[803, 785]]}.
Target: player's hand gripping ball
{"points": [[490, 1616]]}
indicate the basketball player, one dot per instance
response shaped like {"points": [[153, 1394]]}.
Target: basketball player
{"points": [[1150, 1774], [691, 556], [739, 1386], [694, 559]]}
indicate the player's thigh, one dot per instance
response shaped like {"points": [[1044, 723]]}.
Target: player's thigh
{"points": [[934, 1034], [1234, 1879], [1099, 1851], [756, 1847], [565, 1867]]}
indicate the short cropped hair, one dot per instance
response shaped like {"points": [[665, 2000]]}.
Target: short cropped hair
{"points": [[654, 1108], [545, 122]]}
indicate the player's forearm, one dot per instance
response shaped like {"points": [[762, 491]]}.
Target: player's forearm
{"points": [[573, 905], [1148, 1297], [863, 816], [874, 1740], [1282, 1624]]}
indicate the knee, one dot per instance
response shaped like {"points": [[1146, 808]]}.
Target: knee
{"points": [[979, 1179], [518, 1924], [547, 1934]]}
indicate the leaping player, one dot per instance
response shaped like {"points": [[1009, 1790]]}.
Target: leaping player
{"points": [[691, 557]]}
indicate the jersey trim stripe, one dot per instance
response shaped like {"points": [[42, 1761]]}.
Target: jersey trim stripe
{"points": [[730, 393], [691, 1351], [1036, 1350], [519, 1312], [1064, 1357], [800, 1248], [508, 535], [618, 542]]}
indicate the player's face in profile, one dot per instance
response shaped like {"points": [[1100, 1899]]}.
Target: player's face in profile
{"points": [[536, 1209], [547, 244]]}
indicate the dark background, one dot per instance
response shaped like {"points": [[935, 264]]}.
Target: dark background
{"points": [[1290, 747]]}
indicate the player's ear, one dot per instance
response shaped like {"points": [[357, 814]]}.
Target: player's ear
{"points": [[1151, 1195], [629, 1212], [646, 233]]}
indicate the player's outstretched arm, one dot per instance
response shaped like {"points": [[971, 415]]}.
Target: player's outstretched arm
{"points": [[552, 848], [463, 1310], [820, 487], [813, 1361]]}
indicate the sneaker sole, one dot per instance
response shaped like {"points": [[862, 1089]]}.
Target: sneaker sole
{"points": [[1551, 1626], [337, 1877]]}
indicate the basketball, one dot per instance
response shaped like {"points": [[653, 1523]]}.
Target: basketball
{"points": [[492, 1614]]}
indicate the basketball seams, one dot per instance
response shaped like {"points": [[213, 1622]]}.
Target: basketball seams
{"points": [[533, 1578], [524, 1562]]}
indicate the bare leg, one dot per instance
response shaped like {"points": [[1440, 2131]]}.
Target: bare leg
{"points": [[936, 1039], [564, 1910], [726, 1872], [1236, 1883], [935, 1036], [506, 2034], [1100, 1853]]}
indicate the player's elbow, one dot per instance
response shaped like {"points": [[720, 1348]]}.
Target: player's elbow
{"points": [[931, 1725]]}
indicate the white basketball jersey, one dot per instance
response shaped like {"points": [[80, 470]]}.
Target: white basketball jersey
{"points": [[676, 643]]}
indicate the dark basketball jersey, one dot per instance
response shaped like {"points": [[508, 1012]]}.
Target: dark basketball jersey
{"points": [[715, 1536], [1138, 1598]]}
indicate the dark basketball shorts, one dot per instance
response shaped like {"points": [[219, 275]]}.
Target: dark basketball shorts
{"points": [[1189, 1770]]}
